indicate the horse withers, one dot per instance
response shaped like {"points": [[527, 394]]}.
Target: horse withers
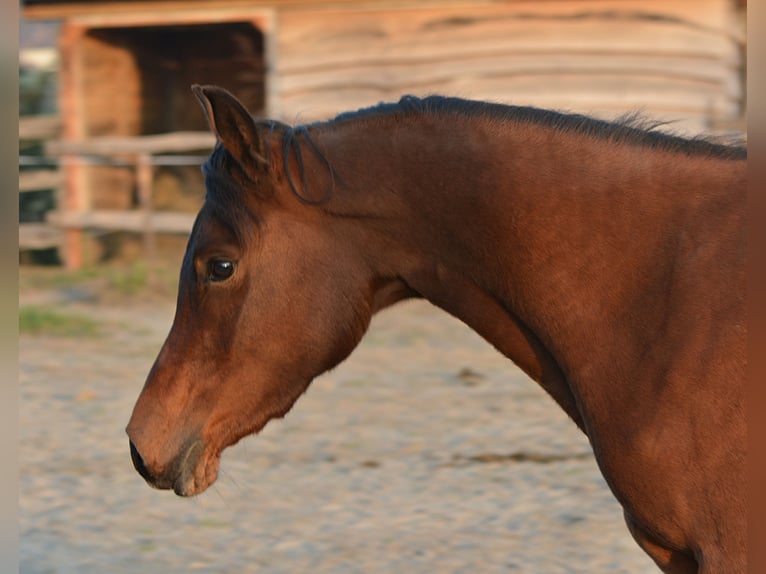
{"points": [[607, 260]]}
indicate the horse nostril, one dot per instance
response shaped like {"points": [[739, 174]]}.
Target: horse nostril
{"points": [[138, 462]]}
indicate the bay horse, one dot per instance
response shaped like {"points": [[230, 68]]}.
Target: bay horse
{"points": [[605, 259]]}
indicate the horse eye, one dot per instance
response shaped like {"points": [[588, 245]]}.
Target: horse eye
{"points": [[220, 269]]}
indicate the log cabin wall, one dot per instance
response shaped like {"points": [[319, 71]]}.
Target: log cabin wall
{"points": [[674, 59]]}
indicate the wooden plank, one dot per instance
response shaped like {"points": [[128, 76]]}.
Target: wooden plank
{"points": [[701, 12], [203, 10], [157, 13], [589, 40], [541, 64], [151, 144], [75, 194], [673, 57], [38, 236], [574, 93], [308, 39], [731, 125], [135, 221], [40, 179], [144, 177], [39, 127]]}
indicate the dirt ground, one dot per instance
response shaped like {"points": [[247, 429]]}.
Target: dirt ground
{"points": [[425, 452]]}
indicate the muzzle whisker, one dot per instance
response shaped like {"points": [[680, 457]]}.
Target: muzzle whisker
{"points": [[230, 478], [222, 497]]}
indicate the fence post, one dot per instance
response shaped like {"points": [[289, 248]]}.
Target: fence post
{"points": [[144, 176], [75, 195]]}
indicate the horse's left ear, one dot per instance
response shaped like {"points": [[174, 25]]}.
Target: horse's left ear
{"points": [[232, 125]]}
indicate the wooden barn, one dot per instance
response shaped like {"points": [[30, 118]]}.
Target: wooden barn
{"points": [[126, 68]]}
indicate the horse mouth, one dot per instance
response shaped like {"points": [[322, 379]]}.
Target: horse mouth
{"points": [[198, 469], [191, 473]]}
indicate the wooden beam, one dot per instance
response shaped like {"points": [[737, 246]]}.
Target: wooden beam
{"points": [[152, 144], [144, 176], [70, 106], [39, 127], [48, 11], [153, 13], [38, 236], [39, 180], [115, 220]]}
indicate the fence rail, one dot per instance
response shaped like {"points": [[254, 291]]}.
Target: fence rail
{"points": [[47, 176], [136, 221], [59, 169], [39, 127]]}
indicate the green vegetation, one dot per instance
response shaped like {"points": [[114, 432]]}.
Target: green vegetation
{"points": [[105, 282], [43, 320], [36, 278], [56, 302], [130, 281]]}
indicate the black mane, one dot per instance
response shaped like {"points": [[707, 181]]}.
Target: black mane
{"points": [[630, 129]]}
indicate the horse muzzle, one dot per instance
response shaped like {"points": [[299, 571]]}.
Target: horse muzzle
{"points": [[188, 474]]}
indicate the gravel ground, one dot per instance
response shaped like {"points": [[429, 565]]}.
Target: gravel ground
{"points": [[425, 452]]}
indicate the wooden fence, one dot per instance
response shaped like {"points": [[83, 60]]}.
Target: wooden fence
{"points": [[73, 215], [40, 177]]}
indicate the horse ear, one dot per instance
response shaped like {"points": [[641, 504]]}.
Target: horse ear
{"points": [[232, 125]]}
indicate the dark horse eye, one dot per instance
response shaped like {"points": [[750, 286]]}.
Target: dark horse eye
{"points": [[220, 269]]}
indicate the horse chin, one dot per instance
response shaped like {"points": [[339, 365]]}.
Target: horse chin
{"points": [[198, 470]]}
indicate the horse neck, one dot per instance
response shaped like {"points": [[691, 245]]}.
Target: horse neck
{"points": [[571, 237]]}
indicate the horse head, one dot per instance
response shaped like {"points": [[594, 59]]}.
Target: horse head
{"points": [[270, 296]]}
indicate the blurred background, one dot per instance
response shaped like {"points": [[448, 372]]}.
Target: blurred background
{"points": [[110, 143], [108, 168]]}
